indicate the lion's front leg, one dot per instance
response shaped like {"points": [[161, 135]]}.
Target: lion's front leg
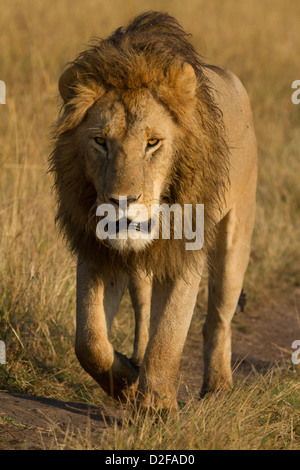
{"points": [[98, 298], [171, 312]]}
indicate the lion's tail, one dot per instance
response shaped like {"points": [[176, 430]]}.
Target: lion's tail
{"points": [[241, 302]]}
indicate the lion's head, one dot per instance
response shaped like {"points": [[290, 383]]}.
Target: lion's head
{"points": [[138, 125]]}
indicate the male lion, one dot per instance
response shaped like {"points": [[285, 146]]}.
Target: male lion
{"points": [[144, 117]]}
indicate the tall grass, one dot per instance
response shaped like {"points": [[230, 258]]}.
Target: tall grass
{"points": [[262, 415], [260, 42]]}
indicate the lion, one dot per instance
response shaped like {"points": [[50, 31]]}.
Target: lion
{"points": [[145, 119]]}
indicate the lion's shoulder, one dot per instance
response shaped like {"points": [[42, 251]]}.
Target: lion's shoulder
{"points": [[225, 83]]}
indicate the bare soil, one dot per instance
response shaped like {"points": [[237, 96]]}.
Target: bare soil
{"points": [[262, 339]]}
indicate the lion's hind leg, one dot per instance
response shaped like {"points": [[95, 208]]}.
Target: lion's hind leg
{"points": [[229, 263], [140, 289]]}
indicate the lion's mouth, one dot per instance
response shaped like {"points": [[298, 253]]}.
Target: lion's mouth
{"points": [[127, 224]]}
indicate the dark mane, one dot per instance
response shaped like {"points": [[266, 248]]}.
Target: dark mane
{"points": [[153, 36], [141, 55]]}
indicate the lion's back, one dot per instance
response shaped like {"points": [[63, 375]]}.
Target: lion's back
{"points": [[232, 99]]}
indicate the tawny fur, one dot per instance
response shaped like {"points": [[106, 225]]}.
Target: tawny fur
{"points": [[150, 72]]}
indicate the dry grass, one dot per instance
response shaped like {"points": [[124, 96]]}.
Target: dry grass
{"points": [[263, 415], [260, 42]]}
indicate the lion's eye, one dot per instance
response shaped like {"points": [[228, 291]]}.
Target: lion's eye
{"points": [[152, 142], [100, 141]]}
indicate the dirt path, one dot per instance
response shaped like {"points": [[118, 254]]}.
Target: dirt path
{"points": [[261, 339]]}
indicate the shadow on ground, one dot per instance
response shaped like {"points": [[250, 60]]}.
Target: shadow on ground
{"points": [[261, 340]]}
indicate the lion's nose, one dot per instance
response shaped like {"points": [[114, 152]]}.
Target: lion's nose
{"points": [[118, 200]]}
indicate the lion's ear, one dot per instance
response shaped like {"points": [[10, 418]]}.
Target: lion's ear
{"points": [[67, 82], [179, 89], [186, 82]]}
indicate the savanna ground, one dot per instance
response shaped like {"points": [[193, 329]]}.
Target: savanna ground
{"points": [[46, 400]]}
